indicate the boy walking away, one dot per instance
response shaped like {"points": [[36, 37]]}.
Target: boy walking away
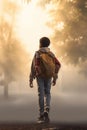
{"points": [[45, 67]]}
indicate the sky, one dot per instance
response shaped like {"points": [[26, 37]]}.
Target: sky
{"points": [[32, 26]]}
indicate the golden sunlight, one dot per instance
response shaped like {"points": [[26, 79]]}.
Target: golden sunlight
{"points": [[60, 26], [0, 7], [32, 25]]}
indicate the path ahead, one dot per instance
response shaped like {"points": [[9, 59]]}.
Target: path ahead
{"points": [[33, 126]]}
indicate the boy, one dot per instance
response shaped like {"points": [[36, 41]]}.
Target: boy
{"points": [[43, 82]]}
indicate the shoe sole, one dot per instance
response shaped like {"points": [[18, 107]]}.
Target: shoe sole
{"points": [[40, 122], [47, 120]]}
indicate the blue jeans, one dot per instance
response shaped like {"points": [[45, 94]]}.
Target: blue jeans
{"points": [[44, 87]]}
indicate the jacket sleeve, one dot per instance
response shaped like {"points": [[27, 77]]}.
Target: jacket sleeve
{"points": [[35, 66], [37, 59], [57, 64], [37, 63], [32, 70]]}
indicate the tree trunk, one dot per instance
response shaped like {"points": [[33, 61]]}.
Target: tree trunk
{"points": [[6, 90]]}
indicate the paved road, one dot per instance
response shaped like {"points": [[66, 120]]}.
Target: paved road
{"points": [[34, 126], [24, 108]]}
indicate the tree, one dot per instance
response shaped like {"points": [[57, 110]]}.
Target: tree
{"points": [[13, 57], [26, 1], [69, 22]]}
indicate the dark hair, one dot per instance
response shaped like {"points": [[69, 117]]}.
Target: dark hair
{"points": [[44, 42]]}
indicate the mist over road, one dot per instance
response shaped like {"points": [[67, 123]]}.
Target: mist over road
{"points": [[65, 108]]}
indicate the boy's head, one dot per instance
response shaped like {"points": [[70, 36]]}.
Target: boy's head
{"points": [[44, 42]]}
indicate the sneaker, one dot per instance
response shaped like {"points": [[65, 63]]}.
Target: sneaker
{"points": [[41, 119], [47, 109], [46, 117]]}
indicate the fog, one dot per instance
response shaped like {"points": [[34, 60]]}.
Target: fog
{"points": [[68, 100], [68, 41], [64, 108]]}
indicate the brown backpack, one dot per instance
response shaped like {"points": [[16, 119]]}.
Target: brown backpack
{"points": [[47, 65]]}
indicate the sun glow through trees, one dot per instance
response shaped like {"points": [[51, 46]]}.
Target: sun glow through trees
{"points": [[32, 25]]}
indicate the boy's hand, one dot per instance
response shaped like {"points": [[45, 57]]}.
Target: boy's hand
{"points": [[31, 83], [54, 82], [54, 79]]}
